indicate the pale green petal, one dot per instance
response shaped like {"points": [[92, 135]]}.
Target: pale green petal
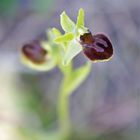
{"points": [[46, 46], [46, 66], [64, 38]]}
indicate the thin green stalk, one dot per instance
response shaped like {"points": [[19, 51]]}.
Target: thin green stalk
{"points": [[63, 103], [63, 111]]}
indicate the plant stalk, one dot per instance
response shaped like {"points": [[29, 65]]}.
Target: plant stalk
{"points": [[63, 109]]}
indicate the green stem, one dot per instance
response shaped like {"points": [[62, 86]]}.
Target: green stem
{"points": [[63, 109], [72, 79], [63, 101]]}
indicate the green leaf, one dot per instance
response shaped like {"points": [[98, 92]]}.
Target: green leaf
{"points": [[67, 24], [80, 18], [64, 38], [76, 78], [73, 49]]}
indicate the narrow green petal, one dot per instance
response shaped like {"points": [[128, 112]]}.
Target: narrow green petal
{"points": [[80, 18], [67, 24], [56, 32], [64, 38]]}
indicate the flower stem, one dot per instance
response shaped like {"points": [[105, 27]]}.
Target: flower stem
{"points": [[63, 109]]}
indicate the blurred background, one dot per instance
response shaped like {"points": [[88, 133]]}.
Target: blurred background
{"points": [[105, 107]]}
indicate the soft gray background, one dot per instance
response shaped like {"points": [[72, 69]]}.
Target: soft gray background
{"points": [[108, 100]]}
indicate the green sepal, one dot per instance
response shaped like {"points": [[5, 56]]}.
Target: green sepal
{"points": [[67, 24], [73, 49]]}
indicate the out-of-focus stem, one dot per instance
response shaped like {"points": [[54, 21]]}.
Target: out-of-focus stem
{"points": [[63, 109]]}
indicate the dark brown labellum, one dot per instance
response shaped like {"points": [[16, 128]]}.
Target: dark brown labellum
{"points": [[96, 47], [34, 52]]}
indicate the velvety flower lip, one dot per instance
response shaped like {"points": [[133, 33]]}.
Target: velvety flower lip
{"points": [[96, 47], [34, 52]]}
